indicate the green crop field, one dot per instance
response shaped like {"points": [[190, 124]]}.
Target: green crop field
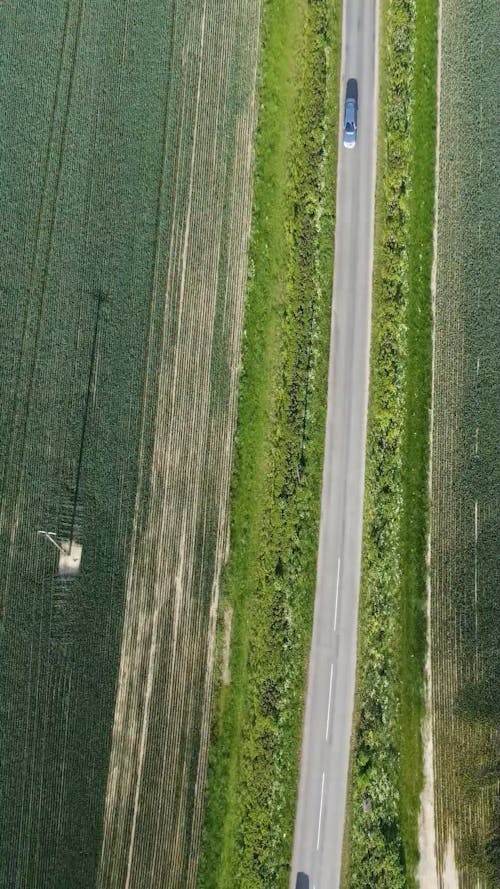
{"points": [[125, 172], [465, 529]]}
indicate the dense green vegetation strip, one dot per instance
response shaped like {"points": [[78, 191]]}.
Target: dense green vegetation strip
{"points": [[269, 579], [386, 768]]}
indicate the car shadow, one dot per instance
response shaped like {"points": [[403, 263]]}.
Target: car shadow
{"points": [[351, 90]]}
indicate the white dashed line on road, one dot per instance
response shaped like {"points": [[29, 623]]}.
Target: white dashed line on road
{"points": [[329, 703], [336, 595], [320, 810]]}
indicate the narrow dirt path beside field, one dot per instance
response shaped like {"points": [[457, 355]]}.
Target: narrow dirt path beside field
{"points": [[427, 870]]}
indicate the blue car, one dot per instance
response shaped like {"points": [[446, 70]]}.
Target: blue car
{"points": [[351, 113]]}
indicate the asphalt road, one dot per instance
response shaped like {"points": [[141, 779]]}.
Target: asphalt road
{"points": [[327, 728]]}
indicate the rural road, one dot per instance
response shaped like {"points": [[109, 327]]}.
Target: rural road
{"points": [[319, 823]]}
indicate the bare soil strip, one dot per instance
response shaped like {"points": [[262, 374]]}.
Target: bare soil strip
{"points": [[427, 867]]}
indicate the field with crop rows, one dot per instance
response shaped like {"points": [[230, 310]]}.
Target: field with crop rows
{"points": [[465, 576], [125, 172]]}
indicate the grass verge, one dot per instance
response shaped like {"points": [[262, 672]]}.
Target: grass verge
{"points": [[269, 579], [381, 846]]}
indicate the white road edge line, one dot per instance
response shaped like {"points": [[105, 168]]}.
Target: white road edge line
{"points": [[336, 595], [329, 703], [320, 809]]}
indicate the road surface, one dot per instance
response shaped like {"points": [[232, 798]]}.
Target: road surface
{"points": [[327, 728]]}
